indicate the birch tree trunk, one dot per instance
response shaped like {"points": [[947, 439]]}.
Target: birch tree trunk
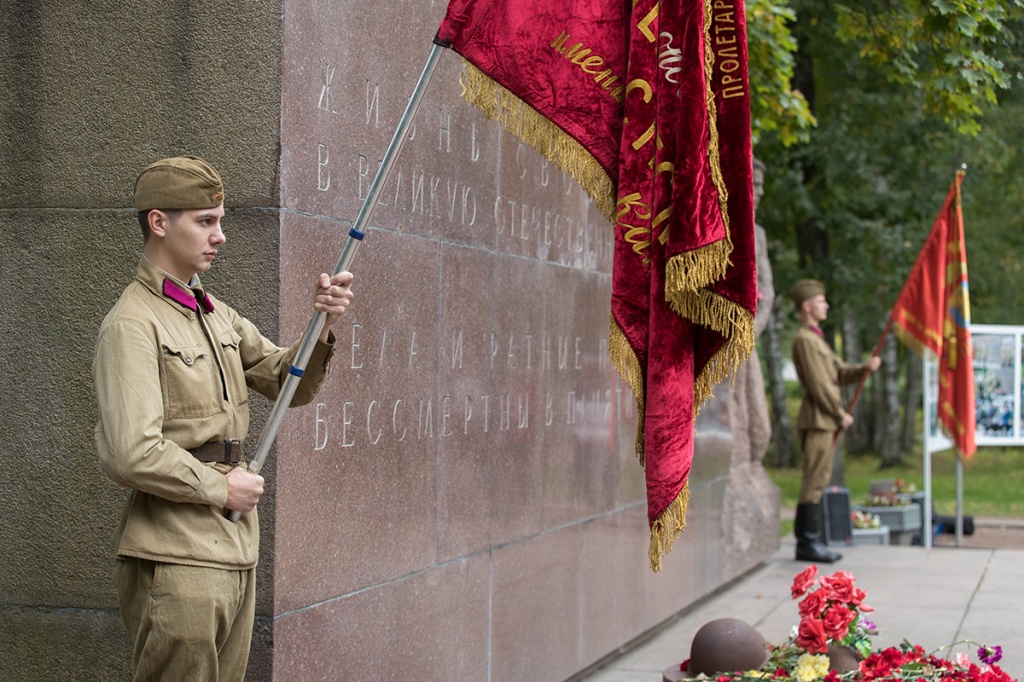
{"points": [[858, 437], [783, 453], [887, 424]]}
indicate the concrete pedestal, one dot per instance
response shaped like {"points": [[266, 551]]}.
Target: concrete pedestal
{"points": [[903, 522], [871, 536]]}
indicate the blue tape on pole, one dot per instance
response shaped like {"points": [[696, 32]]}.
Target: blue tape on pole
{"points": [[295, 371], [356, 234]]}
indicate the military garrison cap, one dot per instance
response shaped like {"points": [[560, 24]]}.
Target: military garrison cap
{"points": [[177, 183], [805, 289]]}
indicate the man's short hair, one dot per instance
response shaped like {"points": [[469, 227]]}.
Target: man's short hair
{"points": [[144, 220]]}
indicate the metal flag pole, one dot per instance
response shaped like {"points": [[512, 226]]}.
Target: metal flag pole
{"points": [[958, 454], [926, 522], [959, 500], [355, 237], [860, 385]]}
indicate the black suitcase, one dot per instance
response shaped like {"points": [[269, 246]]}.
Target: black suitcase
{"points": [[947, 524], [836, 525]]}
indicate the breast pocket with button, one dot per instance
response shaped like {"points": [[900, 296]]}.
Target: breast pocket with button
{"points": [[828, 359], [191, 387]]}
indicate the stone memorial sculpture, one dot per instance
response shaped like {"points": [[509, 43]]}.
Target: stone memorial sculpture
{"points": [[751, 493], [752, 428]]}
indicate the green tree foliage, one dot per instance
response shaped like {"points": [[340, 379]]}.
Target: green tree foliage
{"points": [[901, 93], [775, 107], [993, 195], [947, 50]]}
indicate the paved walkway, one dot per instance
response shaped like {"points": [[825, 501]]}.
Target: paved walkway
{"points": [[932, 597]]}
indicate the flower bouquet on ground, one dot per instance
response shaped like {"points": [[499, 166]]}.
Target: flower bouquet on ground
{"points": [[833, 643], [861, 519], [896, 496], [833, 634]]}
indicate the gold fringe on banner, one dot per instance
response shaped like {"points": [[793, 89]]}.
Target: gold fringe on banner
{"points": [[694, 270], [668, 527], [736, 323], [520, 119], [722, 365], [624, 359]]}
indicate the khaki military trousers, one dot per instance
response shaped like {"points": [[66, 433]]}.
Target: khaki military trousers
{"points": [[818, 457], [186, 622]]}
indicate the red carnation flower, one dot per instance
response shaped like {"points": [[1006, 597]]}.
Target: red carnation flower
{"points": [[837, 621], [813, 604], [876, 666], [857, 599], [803, 581], [810, 636], [839, 587]]}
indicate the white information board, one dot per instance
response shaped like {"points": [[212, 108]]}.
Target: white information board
{"points": [[997, 389]]}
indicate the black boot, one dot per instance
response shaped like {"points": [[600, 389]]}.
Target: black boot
{"points": [[808, 542]]}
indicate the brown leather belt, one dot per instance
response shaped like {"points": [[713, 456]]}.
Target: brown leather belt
{"points": [[222, 451]]}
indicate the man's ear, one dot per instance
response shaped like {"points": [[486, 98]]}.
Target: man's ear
{"points": [[158, 222]]}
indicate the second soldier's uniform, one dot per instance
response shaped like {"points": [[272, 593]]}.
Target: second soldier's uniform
{"points": [[820, 418]]}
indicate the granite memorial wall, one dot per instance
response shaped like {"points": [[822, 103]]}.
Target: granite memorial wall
{"points": [[462, 500]]}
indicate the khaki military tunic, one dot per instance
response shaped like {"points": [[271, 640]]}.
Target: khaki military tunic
{"points": [[821, 372], [168, 379], [821, 413]]}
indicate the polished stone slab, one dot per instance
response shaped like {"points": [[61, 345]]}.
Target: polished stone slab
{"points": [[435, 621]]}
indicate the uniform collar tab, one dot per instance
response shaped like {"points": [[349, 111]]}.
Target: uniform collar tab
{"points": [[182, 296]]}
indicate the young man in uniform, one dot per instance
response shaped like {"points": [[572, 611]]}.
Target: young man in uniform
{"points": [[171, 373], [821, 414]]}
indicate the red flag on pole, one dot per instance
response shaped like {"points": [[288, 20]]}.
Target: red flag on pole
{"points": [[933, 312], [647, 104]]}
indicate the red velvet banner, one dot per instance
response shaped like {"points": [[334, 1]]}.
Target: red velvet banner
{"points": [[647, 105], [933, 312]]}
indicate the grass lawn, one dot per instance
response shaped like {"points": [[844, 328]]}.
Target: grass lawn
{"points": [[993, 477], [993, 481]]}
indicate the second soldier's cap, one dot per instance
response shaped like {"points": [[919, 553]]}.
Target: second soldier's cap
{"points": [[805, 289]]}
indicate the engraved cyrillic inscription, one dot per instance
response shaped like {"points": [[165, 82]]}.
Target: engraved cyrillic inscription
{"points": [[323, 173], [320, 432], [474, 144], [373, 103], [522, 379], [444, 134], [357, 360], [325, 88]]}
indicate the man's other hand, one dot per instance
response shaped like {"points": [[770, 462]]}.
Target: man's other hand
{"points": [[244, 490]]}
